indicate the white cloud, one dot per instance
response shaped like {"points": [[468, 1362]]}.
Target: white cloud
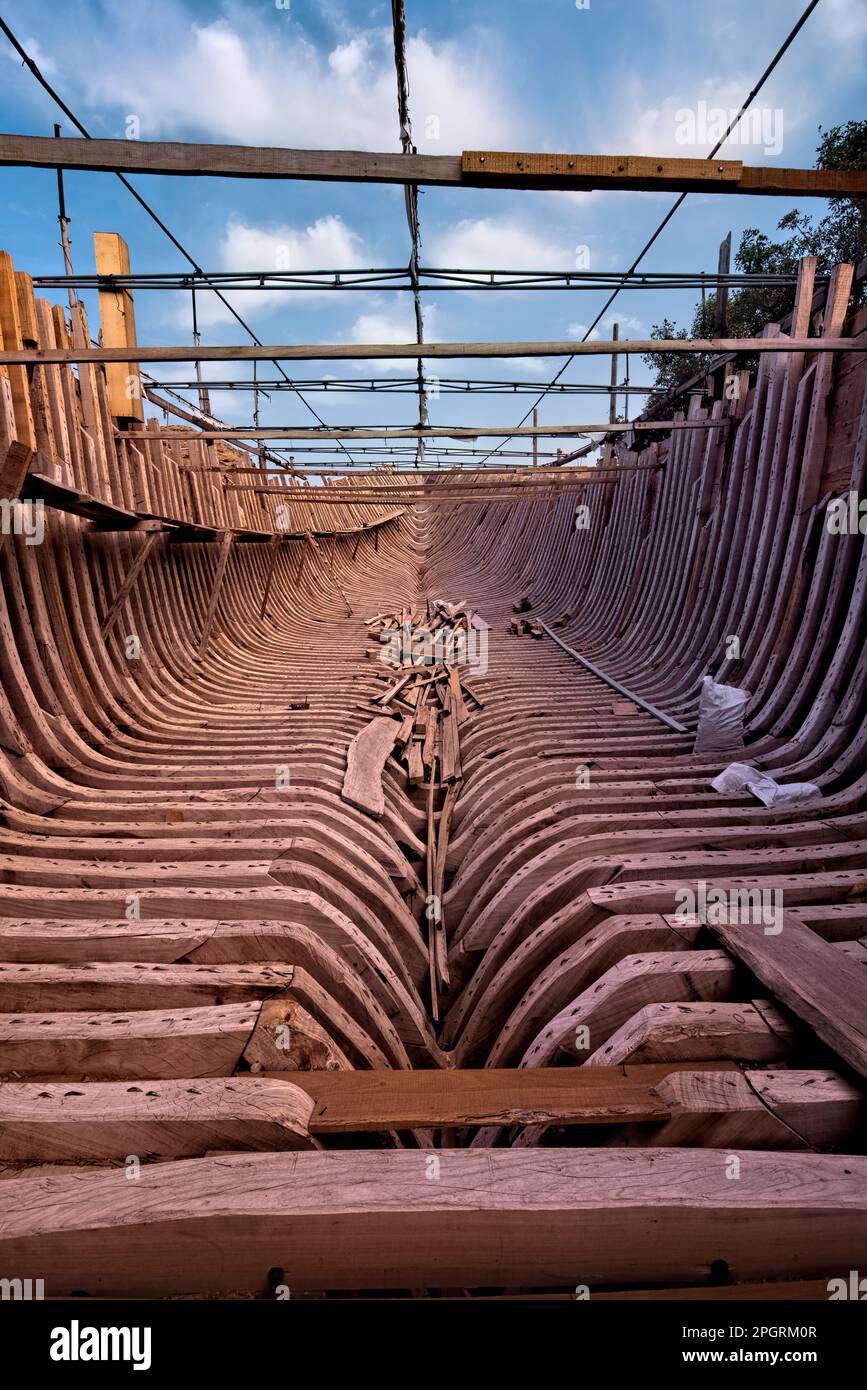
{"points": [[43, 61], [689, 120], [497, 243], [327, 243], [391, 324], [628, 327], [266, 84], [452, 83], [533, 366], [844, 22]]}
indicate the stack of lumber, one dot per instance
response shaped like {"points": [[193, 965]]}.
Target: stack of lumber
{"points": [[422, 712]]}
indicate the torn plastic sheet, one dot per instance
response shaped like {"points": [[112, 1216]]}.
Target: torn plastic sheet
{"points": [[737, 776], [720, 718]]}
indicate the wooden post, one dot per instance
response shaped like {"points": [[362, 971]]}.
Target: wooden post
{"points": [[721, 307], [64, 228], [612, 409], [117, 320], [535, 436], [12, 337]]}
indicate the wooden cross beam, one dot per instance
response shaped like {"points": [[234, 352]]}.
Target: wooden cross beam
{"points": [[313, 352], [437, 431], [474, 168]]}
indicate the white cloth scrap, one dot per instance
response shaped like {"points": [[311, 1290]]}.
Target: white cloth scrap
{"points": [[737, 776]]}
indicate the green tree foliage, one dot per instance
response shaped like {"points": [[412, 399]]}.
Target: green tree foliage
{"points": [[841, 235]]}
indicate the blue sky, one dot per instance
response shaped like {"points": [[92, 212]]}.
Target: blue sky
{"points": [[608, 78]]}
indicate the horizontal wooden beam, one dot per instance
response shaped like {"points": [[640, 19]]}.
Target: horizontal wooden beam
{"points": [[312, 352], [359, 1102], [479, 1218], [467, 493], [513, 169], [430, 431], [497, 168], [408, 473]]}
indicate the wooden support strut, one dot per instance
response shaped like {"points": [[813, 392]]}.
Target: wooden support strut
{"points": [[222, 562], [128, 584], [274, 546]]}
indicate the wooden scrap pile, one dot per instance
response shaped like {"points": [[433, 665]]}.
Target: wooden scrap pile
{"points": [[422, 710], [417, 720]]}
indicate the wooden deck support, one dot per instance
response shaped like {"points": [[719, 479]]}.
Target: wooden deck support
{"points": [[128, 584], [216, 588]]}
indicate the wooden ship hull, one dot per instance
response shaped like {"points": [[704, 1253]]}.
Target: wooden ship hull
{"points": [[309, 982]]}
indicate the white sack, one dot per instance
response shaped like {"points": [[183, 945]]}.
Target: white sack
{"points": [[720, 718]]}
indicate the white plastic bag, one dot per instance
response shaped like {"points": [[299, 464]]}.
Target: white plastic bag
{"points": [[720, 718], [737, 776]]}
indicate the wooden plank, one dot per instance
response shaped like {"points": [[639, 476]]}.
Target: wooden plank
{"points": [[824, 1108], [812, 978], [11, 337], [28, 988], [153, 1042], [107, 1120], [715, 1110], [26, 309], [526, 170], [628, 169], [367, 1102], [314, 352], [660, 1032], [117, 320], [14, 466], [7, 410], [510, 169], [365, 760], [496, 1218]]}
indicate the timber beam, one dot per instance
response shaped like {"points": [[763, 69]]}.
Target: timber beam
{"points": [[372, 1220], [329, 352], [496, 168], [437, 431]]}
